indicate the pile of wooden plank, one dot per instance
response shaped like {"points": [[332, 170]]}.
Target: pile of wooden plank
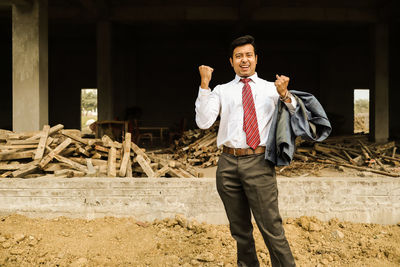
{"points": [[198, 147], [353, 152], [64, 153]]}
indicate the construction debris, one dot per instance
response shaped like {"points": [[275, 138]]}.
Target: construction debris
{"points": [[198, 147], [64, 153], [354, 152]]}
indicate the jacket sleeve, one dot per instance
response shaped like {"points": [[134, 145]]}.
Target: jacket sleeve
{"points": [[310, 120]]}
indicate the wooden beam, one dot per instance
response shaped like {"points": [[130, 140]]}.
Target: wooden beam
{"points": [[140, 152], [108, 142], [52, 167], [6, 174], [145, 166], [52, 130], [22, 142], [10, 167], [126, 156], [54, 152], [68, 173], [129, 169], [17, 155], [74, 137], [176, 173], [71, 163], [162, 171], [25, 169], [42, 143], [20, 136], [17, 147], [111, 165], [82, 150]]}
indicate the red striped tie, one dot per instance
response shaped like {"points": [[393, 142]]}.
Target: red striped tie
{"points": [[250, 124]]}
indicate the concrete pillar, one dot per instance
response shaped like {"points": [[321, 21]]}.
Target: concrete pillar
{"points": [[381, 94], [104, 76], [30, 65]]}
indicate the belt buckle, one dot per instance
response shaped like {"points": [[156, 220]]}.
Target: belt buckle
{"points": [[234, 152]]}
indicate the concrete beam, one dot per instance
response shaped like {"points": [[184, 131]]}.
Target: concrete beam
{"points": [[89, 5], [30, 66], [226, 13], [381, 93], [104, 71], [388, 11], [95, 9], [231, 13], [16, 2], [246, 9], [316, 14]]}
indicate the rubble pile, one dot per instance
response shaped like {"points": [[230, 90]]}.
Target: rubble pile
{"points": [[58, 152], [198, 147], [64, 153], [353, 152]]}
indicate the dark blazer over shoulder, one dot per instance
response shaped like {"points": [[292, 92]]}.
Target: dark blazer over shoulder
{"points": [[308, 121]]}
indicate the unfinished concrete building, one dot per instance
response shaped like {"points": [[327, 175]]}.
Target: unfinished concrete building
{"points": [[145, 54]]}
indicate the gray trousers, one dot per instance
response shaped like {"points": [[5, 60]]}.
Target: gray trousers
{"points": [[247, 183]]}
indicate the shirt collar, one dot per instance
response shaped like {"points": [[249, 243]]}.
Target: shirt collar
{"points": [[253, 78]]}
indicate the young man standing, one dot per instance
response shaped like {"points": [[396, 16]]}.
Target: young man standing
{"points": [[245, 180]]}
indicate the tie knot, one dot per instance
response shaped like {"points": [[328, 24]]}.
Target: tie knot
{"points": [[245, 80]]}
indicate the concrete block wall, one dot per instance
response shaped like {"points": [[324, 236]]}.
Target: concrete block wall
{"points": [[369, 200]]}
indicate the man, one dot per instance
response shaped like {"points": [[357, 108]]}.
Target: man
{"points": [[245, 180]]}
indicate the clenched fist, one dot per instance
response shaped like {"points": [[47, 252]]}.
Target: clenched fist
{"points": [[205, 74], [281, 84]]}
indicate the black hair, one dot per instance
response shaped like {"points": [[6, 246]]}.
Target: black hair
{"points": [[243, 40]]}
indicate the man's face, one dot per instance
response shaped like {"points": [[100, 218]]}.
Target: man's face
{"points": [[244, 60]]}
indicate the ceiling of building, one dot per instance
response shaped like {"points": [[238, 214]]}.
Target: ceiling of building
{"points": [[219, 10]]}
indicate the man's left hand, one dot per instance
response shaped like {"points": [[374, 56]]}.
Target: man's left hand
{"points": [[281, 84]]}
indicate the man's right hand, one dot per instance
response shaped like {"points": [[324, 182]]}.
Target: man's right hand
{"points": [[205, 74]]}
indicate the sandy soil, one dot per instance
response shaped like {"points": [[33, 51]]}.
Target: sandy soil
{"points": [[178, 242]]}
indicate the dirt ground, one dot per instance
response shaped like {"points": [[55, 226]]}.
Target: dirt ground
{"points": [[113, 241]]}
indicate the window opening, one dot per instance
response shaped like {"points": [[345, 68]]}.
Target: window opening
{"points": [[361, 111], [88, 109]]}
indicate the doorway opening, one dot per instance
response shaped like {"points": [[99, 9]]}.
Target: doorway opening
{"points": [[88, 109], [361, 111]]}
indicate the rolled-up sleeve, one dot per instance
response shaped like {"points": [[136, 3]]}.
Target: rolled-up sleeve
{"points": [[207, 107]]}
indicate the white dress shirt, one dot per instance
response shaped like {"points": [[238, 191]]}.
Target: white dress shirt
{"points": [[226, 100]]}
